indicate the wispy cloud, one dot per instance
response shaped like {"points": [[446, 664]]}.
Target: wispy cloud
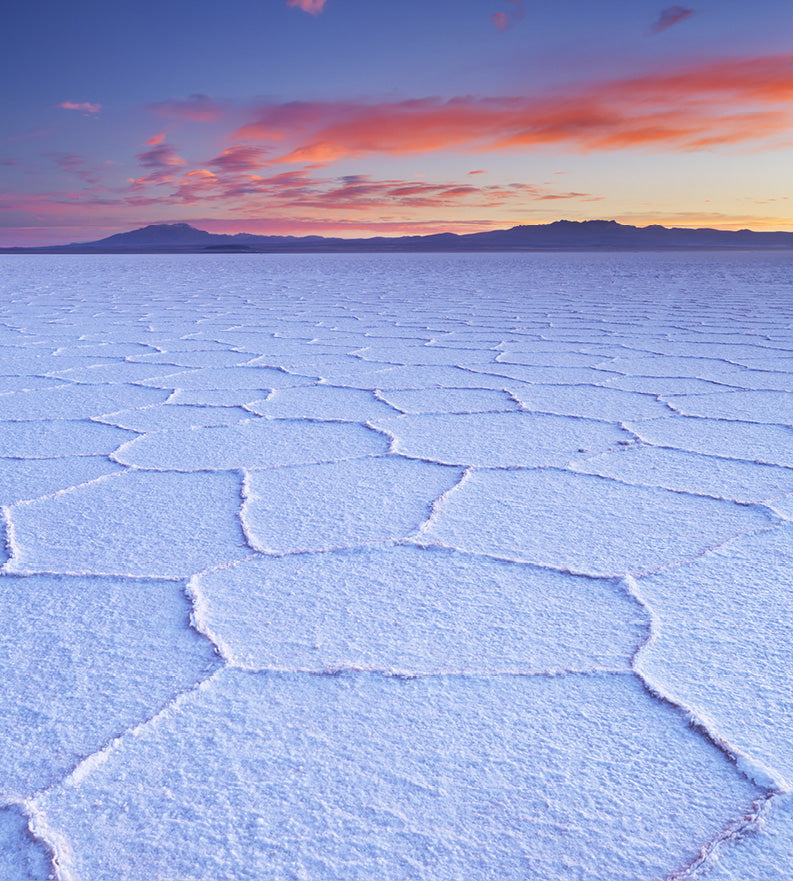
{"points": [[669, 16], [195, 108], [77, 166], [730, 101], [88, 108], [312, 6], [161, 155], [240, 158], [503, 21], [354, 194]]}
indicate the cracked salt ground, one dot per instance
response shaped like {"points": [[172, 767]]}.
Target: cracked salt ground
{"points": [[362, 776], [770, 444], [258, 443], [135, 523], [22, 858], [22, 479], [498, 439], [75, 401], [744, 406], [734, 479], [83, 660], [763, 854], [43, 439], [451, 400], [160, 417], [408, 608], [341, 503], [738, 677], [322, 402], [554, 518], [258, 624]]}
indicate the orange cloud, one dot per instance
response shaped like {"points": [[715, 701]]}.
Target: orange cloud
{"points": [[731, 101], [312, 6], [155, 140]]}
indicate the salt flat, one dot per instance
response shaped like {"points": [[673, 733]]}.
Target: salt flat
{"points": [[396, 566]]}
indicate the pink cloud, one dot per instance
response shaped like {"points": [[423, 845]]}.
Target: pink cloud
{"points": [[239, 158], [670, 16], [732, 101], [196, 108], [314, 7], [160, 156], [155, 140], [500, 20], [86, 107], [505, 20]]}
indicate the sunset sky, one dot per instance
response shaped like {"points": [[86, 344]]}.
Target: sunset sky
{"points": [[386, 117]]}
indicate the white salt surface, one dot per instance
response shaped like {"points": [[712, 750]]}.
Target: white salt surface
{"points": [[585, 523], [498, 440], [341, 504], [396, 566], [364, 776], [84, 659], [417, 609]]}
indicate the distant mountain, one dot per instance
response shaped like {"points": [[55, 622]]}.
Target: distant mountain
{"points": [[563, 235]]}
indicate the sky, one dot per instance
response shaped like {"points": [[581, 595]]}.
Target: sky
{"points": [[392, 117]]}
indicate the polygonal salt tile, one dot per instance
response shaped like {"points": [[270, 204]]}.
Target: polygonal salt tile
{"points": [[546, 375], [590, 401], [30, 478], [115, 372], [452, 400], [546, 358], [24, 383], [60, 437], [84, 659], [583, 523], [427, 355], [29, 361], [77, 401], [691, 472], [672, 365], [746, 693], [219, 397], [417, 609], [667, 385], [498, 439], [772, 444], [743, 406], [363, 776], [342, 503], [136, 523], [208, 358], [164, 416], [225, 378], [259, 443], [323, 402]]}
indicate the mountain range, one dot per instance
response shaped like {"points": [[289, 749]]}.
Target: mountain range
{"points": [[562, 235]]}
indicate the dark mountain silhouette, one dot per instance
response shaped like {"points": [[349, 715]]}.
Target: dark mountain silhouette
{"points": [[563, 235]]}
